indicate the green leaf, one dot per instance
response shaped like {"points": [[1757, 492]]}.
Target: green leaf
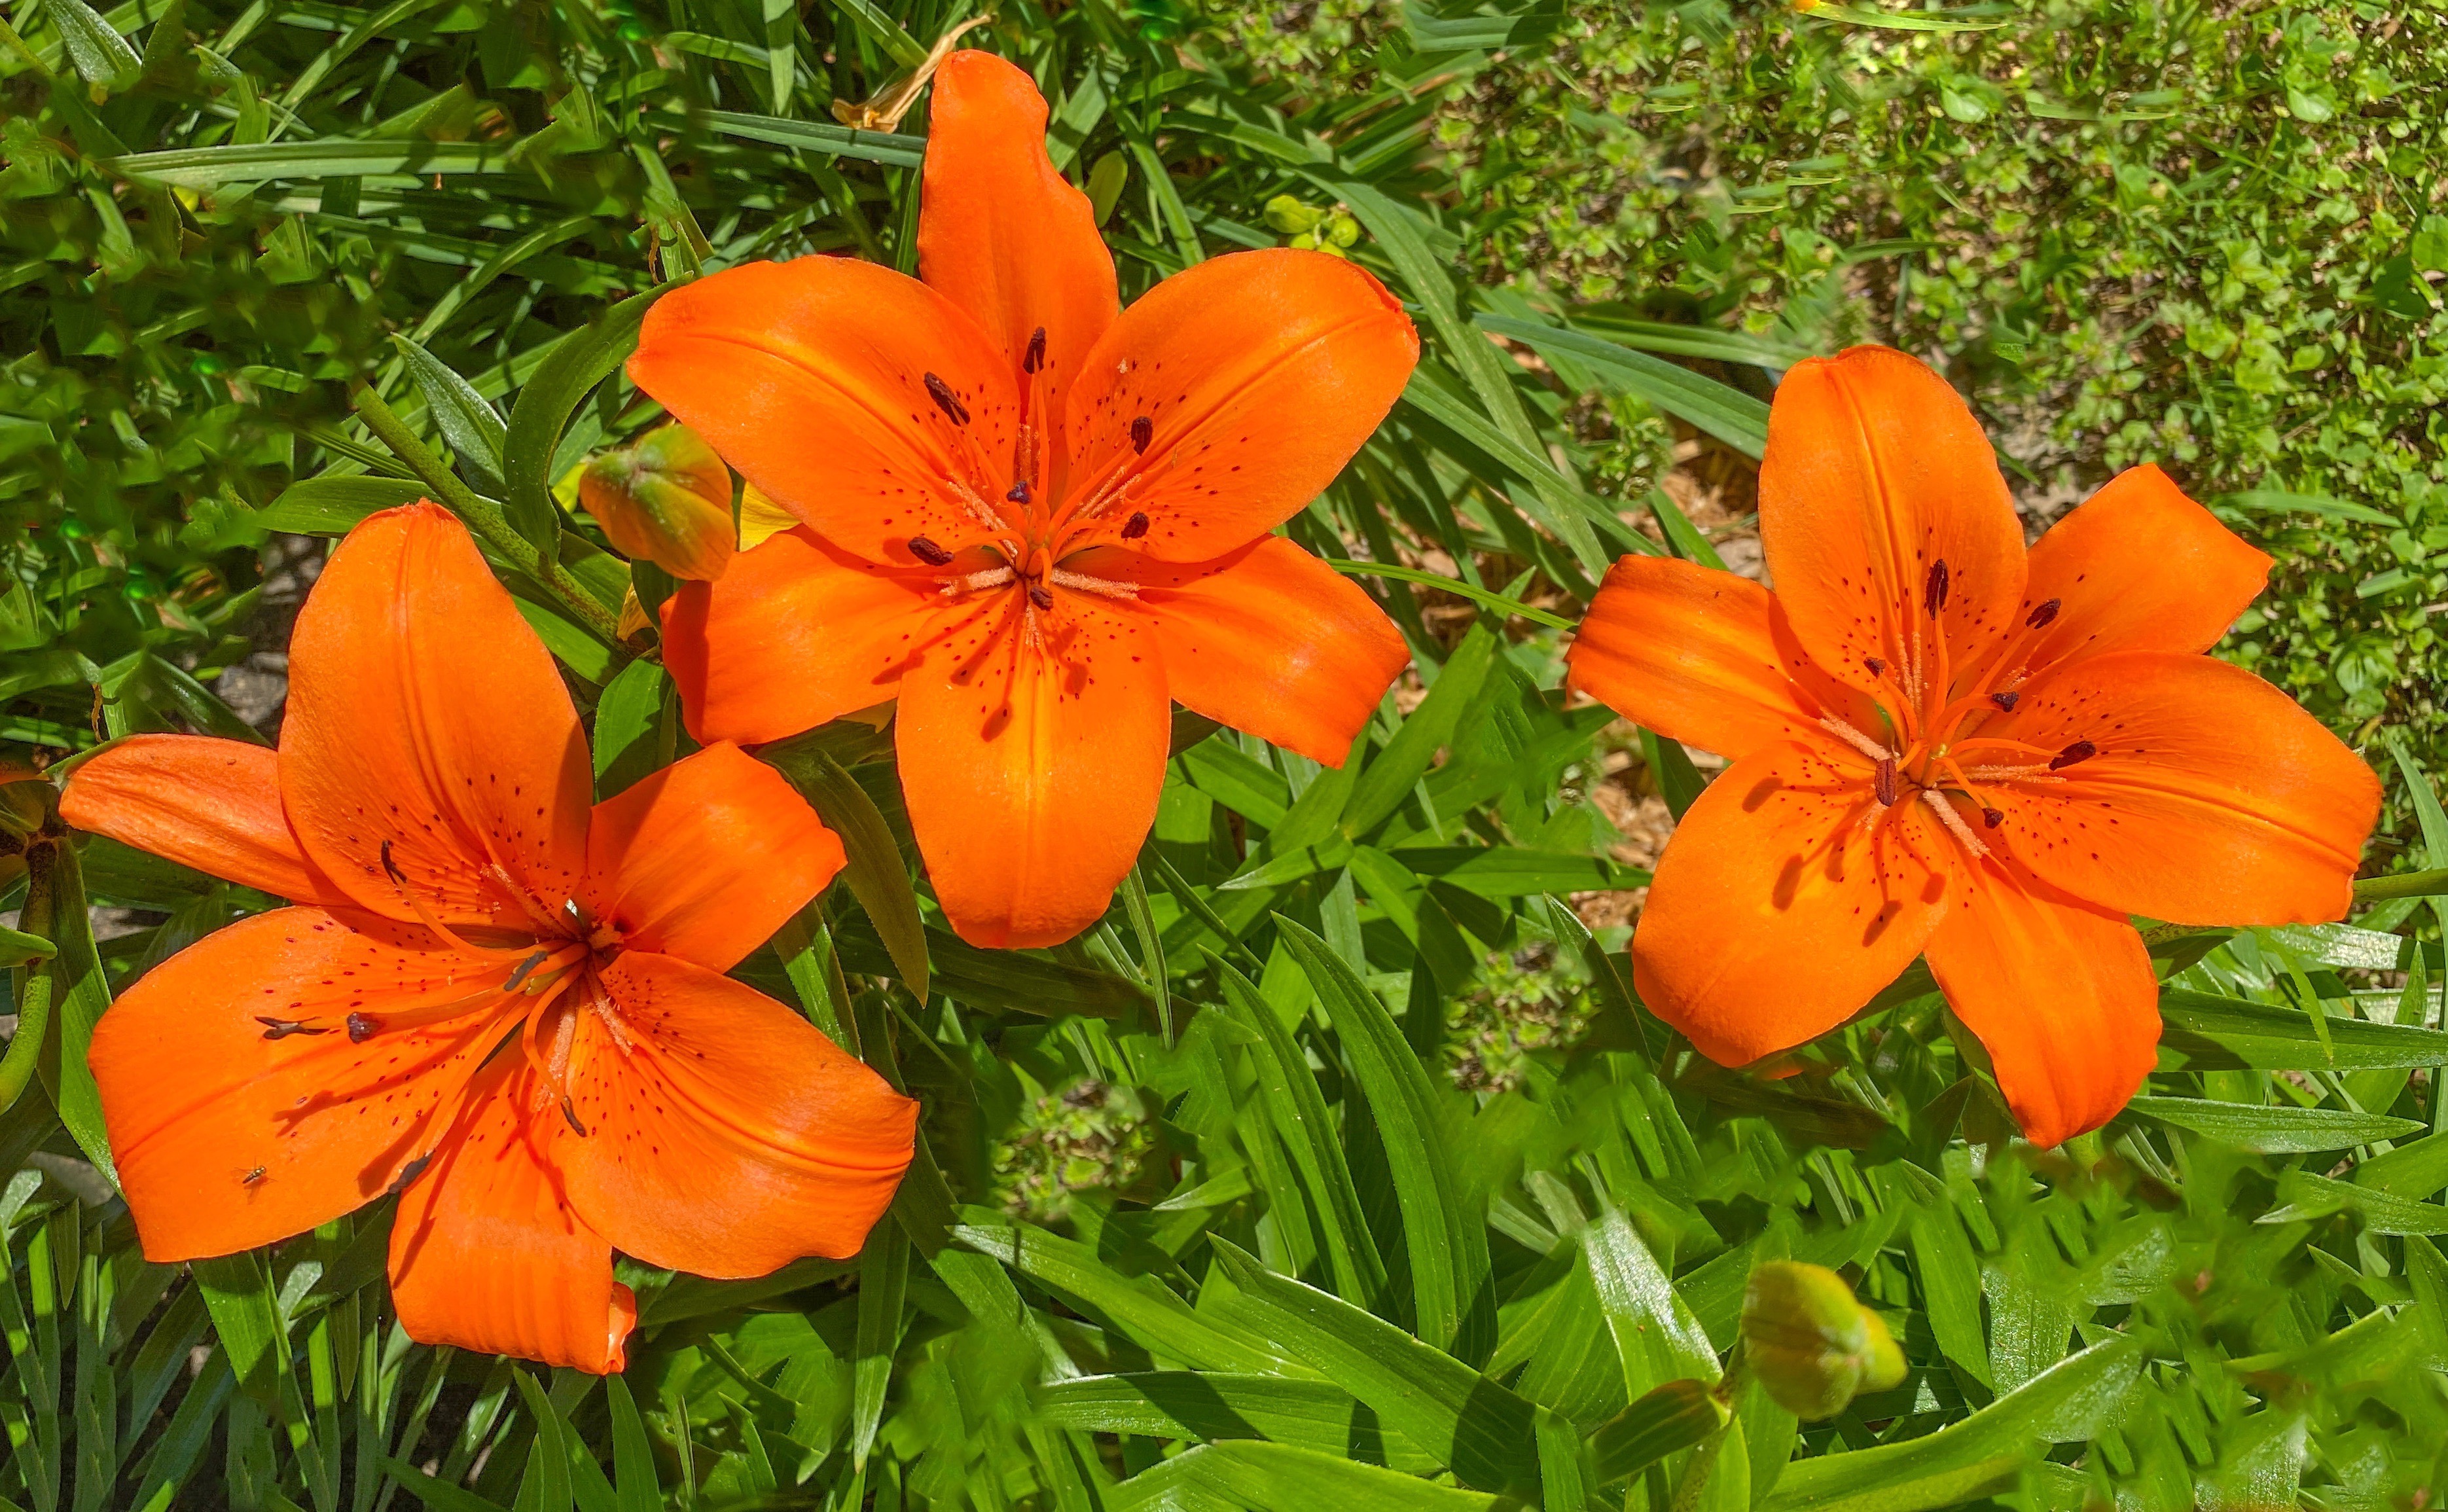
{"points": [[548, 1463], [246, 1317], [333, 505], [2068, 1401], [883, 1273], [334, 158], [1678, 781], [561, 382], [81, 995], [1249, 1476], [1672, 1416], [1443, 1240], [1298, 1111], [2273, 1130], [2206, 1032], [439, 1495], [1210, 1405], [630, 733], [1386, 783], [474, 432], [876, 874], [636, 1483], [1728, 414], [1656, 1338], [1139, 1307], [1485, 1434], [101, 56]]}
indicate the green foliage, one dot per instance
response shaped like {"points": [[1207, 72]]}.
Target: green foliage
{"points": [[277, 268]]}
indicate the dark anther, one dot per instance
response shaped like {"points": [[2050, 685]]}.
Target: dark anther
{"points": [[252, 1177], [928, 551], [407, 1174], [1035, 360], [2006, 701], [362, 1028], [1135, 527], [1878, 668], [1933, 593], [571, 1113], [2043, 613], [1142, 432], [525, 966], [946, 400], [391, 868], [2079, 751], [1887, 781], [1993, 817], [1042, 596], [283, 1028], [1019, 492]]}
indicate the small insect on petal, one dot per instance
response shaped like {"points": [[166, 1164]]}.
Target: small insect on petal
{"points": [[1142, 432], [2079, 751], [2006, 700], [946, 400], [407, 1175], [1933, 593], [252, 1177], [2040, 617], [928, 552], [1034, 361], [1136, 526], [283, 1028]]}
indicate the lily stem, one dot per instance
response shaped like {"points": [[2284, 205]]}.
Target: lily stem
{"points": [[42, 980], [482, 514]]}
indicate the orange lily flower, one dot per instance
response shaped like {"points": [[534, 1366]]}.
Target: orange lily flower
{"points": [[1944, 745], [1035, 518], [428, 815]]}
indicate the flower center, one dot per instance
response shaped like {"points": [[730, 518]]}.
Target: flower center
{"points": [[1932, 748], [1026, 535]]}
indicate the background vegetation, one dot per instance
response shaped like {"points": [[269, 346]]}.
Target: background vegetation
{"points": [[1339, 1168]]}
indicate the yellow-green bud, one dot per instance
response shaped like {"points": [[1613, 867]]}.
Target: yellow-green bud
{"points": [[1291, 217], [666, 499], [1811, 1344]]}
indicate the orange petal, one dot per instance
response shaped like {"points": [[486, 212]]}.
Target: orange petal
{"points": [[797, 632], [810, 378], [705, 858], [2139, 566], [2062, 996], [1001, 233], [1259, 375], [425, 714], [1785, 901], [1270, 640], [1875, 473], [2213, 799], [1032, 774], [227, 1139], [727, 1137], [1705, 657], [206, 803], [485, 1254]]}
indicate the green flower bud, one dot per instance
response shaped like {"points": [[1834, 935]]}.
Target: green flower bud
{"points": [[666, 499], [1811, 1344], [1291, 217], [1341, 230]]}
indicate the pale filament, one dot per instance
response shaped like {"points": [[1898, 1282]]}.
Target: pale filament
{"points": [[1853, 738], [1953, 821], [971, 582], [1106, 586]]}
